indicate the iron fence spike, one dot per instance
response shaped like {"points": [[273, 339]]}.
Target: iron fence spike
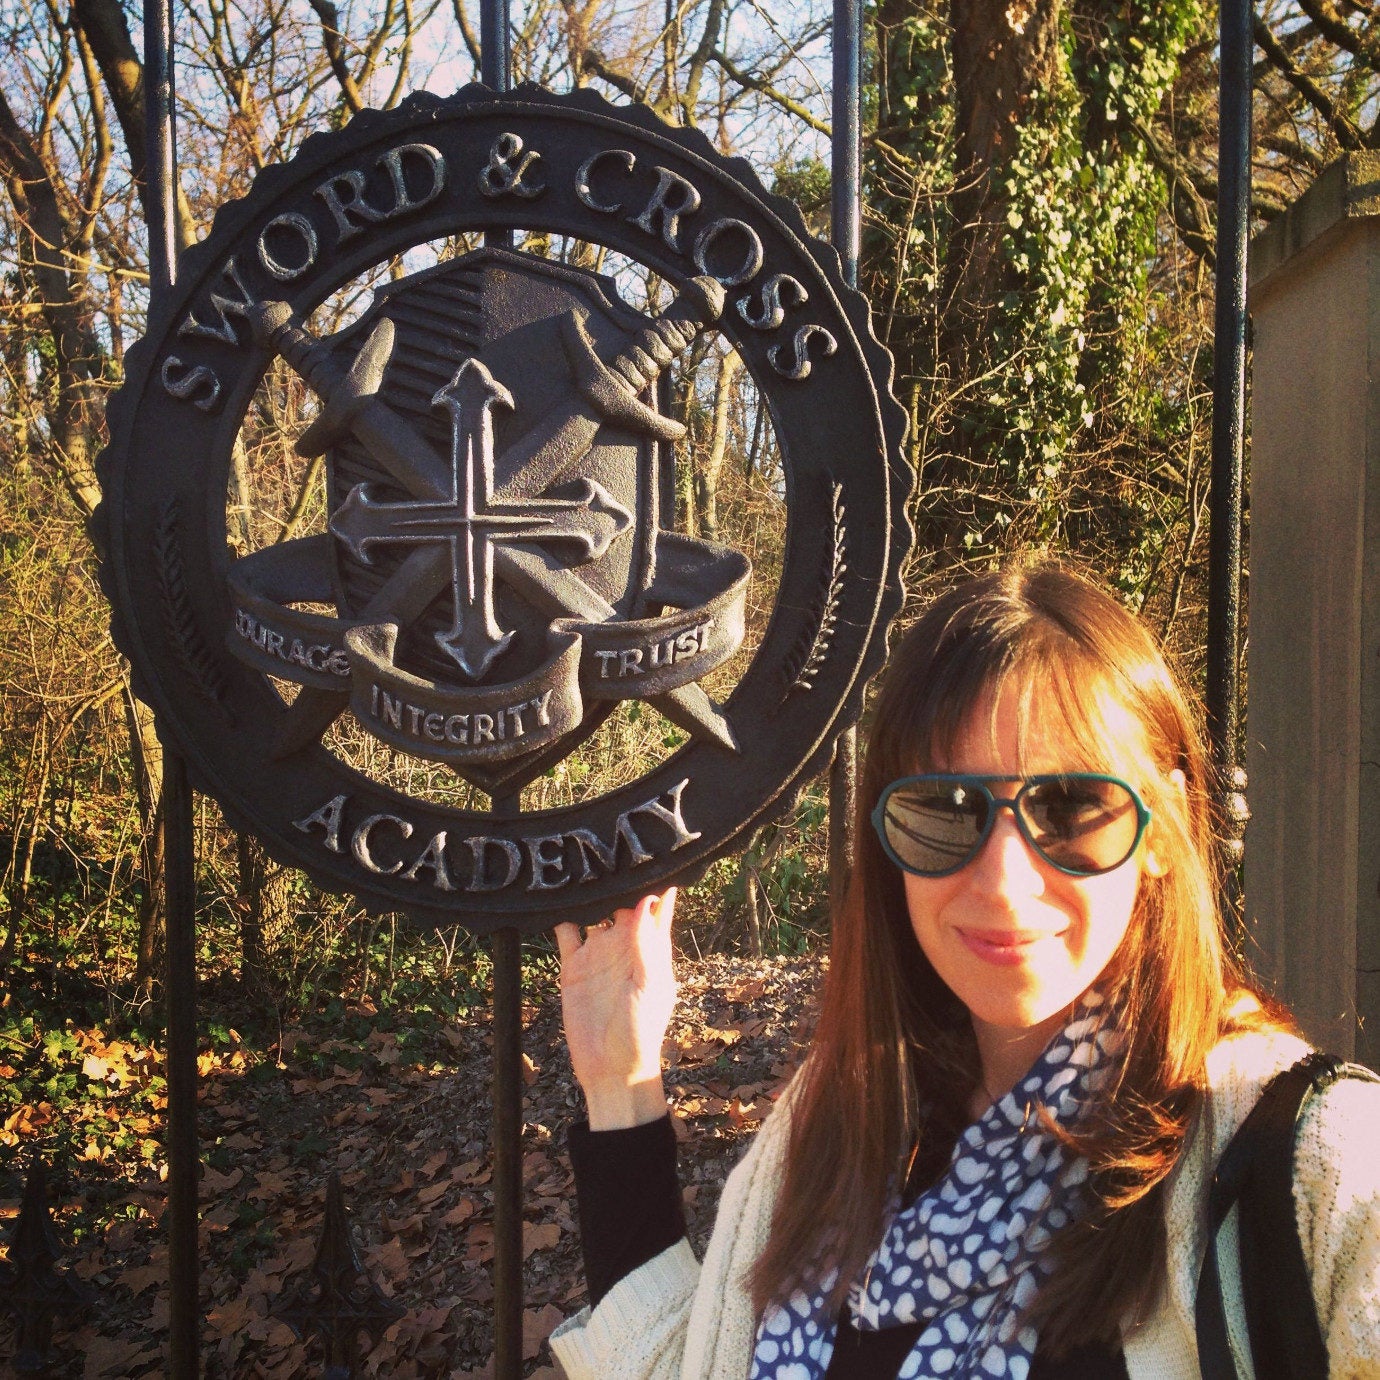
{"points": [[32, 1289], [339, 1300]]}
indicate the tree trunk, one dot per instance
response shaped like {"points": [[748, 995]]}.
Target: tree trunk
{"points": [[752, 887], [707, 473], [14, 347], [1004, 58], [684, 408], [146, 756], [265, 907], [53, 276], [957, 83], [21, 869]]}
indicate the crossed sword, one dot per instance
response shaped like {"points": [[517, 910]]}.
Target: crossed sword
{"points": [[350, 405]]}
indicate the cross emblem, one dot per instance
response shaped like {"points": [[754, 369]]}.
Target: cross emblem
{"points": [[473, 522]]}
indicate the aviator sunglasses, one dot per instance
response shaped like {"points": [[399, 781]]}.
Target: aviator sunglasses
{"points": [[1083, 823]]}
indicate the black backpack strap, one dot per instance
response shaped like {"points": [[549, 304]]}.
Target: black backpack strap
{"points": [[1286, 1340], [1257, 1170]]}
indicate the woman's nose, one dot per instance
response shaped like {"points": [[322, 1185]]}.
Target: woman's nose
{"points": [[1007, 863]]}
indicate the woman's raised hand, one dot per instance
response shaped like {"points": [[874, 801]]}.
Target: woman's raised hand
{"points": [[617, 992]]}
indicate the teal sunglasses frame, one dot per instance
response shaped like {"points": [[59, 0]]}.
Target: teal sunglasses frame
{"points": [[994, 803]]}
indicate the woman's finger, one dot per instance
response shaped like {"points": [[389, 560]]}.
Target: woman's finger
{"points": [[567, 939], [666, 906], [652, 908]]}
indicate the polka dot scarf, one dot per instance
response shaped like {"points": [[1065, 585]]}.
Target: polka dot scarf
{"points": [[966, 1257]]}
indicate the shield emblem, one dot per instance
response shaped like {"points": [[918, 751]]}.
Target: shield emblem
{"points": [[526, 321], [494, 554]]}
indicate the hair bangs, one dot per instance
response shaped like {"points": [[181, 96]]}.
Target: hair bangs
{"points": [[1064, 692], [1067, 698]]}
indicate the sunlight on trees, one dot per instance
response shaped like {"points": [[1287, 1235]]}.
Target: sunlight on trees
{"points": [[1040, 189]]}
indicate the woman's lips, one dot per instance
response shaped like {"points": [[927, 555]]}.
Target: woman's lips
{"points": [[1004, 948]]}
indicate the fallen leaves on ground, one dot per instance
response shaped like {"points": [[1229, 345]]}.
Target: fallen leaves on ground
{"points": [[405, 1123]]}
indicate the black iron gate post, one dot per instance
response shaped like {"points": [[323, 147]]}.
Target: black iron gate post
{"points": [[846, 139], [178, 839], [507, 1152], [846, 234], [496, 72], [507, 1140], [183, 1154], [160, 141], [1228, 425]]}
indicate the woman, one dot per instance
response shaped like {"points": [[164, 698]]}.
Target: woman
{"points": [[1031, 1050]]}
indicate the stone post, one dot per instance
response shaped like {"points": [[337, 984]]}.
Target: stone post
{"points": [[1313, 714]]}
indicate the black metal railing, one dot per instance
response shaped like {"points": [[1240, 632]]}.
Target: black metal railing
{"points": [[1226, 498]]}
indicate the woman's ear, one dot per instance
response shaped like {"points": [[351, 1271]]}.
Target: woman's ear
{"points": [[1156, 864]]}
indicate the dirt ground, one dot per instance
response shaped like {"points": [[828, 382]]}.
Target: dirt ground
{"points": [[407, 1130]]}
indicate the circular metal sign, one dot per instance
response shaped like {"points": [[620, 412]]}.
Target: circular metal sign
{"points": [[496, 569]]}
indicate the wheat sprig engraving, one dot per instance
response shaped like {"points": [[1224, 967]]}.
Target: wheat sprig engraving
{"points": [[803, 665], [178, 614]]}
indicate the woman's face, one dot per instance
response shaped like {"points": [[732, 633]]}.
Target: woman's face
{"points": [[1015, 939]]}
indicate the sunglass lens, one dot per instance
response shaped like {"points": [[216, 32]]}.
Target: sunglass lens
{"points": [[933, 826], [1081, 824]]}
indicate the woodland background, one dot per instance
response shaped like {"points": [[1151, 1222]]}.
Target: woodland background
{"points": [[1038, 230]]}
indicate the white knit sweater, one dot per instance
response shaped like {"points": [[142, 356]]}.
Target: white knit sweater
{"points": [[673, 1319]]}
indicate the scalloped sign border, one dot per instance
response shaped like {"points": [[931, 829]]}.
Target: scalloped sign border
{"points": [[431, 168]]}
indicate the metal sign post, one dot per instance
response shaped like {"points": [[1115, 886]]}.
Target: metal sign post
{"points": [[507, 1151], [179, 864], [846, 138], [184, 1160], [1229, 425], [495, 37], [846, 235]]}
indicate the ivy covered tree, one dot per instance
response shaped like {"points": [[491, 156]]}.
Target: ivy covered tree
{"points": [[1041, 189], [1017, 207]]}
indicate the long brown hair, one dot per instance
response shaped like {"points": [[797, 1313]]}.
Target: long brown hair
{"points": [[892, 1038]]}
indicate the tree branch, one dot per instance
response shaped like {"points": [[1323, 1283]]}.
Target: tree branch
{"points": [[1336, 30], [1346, 133], [699, 60], [593, 62], [404, 58], [333, 42], [100, 167], [102, 25], [53, 96], [772, 93], [1293, 149], [467, 32], [382, 30], [1187, 202]]}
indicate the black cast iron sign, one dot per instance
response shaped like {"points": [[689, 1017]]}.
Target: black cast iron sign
{"points": [[498, 563]]}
